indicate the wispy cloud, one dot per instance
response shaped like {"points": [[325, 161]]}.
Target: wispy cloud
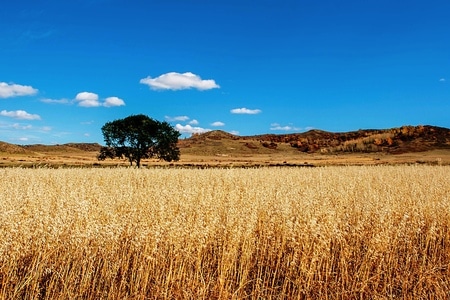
{"points": [[218, 124], [14, 126], [55, 101], [177, 118], [18, 126], [278, 127], [88, 99], [245, 111], [14, 90], [190, 129], [181, 119], [37, 34], [442, 80], [179, 81], [20, 115]]}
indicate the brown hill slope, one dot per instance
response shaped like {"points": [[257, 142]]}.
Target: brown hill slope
{"points": [[406, 144], [12, 149], [395, 140], [413, 143], [69, 147]]}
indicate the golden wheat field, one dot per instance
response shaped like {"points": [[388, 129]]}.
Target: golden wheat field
{"points": [[380, 232]]}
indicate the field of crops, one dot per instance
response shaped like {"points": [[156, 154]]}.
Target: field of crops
{"points": [[265, 233]]}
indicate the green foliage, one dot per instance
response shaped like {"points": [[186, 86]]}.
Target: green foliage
{"points": [[139, 137]]}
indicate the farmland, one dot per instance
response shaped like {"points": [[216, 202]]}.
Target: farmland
{"points": [[124, 233]]}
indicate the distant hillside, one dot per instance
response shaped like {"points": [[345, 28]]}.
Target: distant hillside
{"points": [[395, 140], [214, 135], [39, 148], [92, 147], [70, 147], [11, 148]]}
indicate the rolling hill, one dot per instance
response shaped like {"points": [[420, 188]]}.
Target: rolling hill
{"points": [[404, 144], [394, 141]]}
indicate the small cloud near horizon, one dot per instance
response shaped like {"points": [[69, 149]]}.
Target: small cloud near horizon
{"points": [[245, 111], [188, 129], [217, 124], [181, 119], [179, 81], [17, 126], [278, 127], [177, 118]]}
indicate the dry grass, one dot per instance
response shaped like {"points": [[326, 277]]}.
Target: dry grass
{"points": [[270, 233]]}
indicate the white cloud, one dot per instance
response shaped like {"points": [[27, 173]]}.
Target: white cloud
{"points": [[193, 122], [18, 126], [189, 129], [282, 128], [113, 101], [55, 101], [244, 110], [217, 124], [87, 99], [276, 126], [177, 118], [14, 90], [19, 114], [23, 139], [177, 81], [442, 80]]}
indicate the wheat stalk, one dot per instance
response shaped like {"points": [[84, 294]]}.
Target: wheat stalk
{"points": [[300, 233]]}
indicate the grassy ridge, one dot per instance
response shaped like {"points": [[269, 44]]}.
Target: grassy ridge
{"points": [[333, 232]]}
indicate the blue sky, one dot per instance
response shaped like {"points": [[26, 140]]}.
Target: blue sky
{"points": [[246, 67]]}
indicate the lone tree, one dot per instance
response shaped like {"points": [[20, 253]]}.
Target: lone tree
{"points": [[138, 137]]}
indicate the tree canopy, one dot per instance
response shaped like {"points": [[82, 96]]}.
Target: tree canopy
{"points": [[139, 137]]}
